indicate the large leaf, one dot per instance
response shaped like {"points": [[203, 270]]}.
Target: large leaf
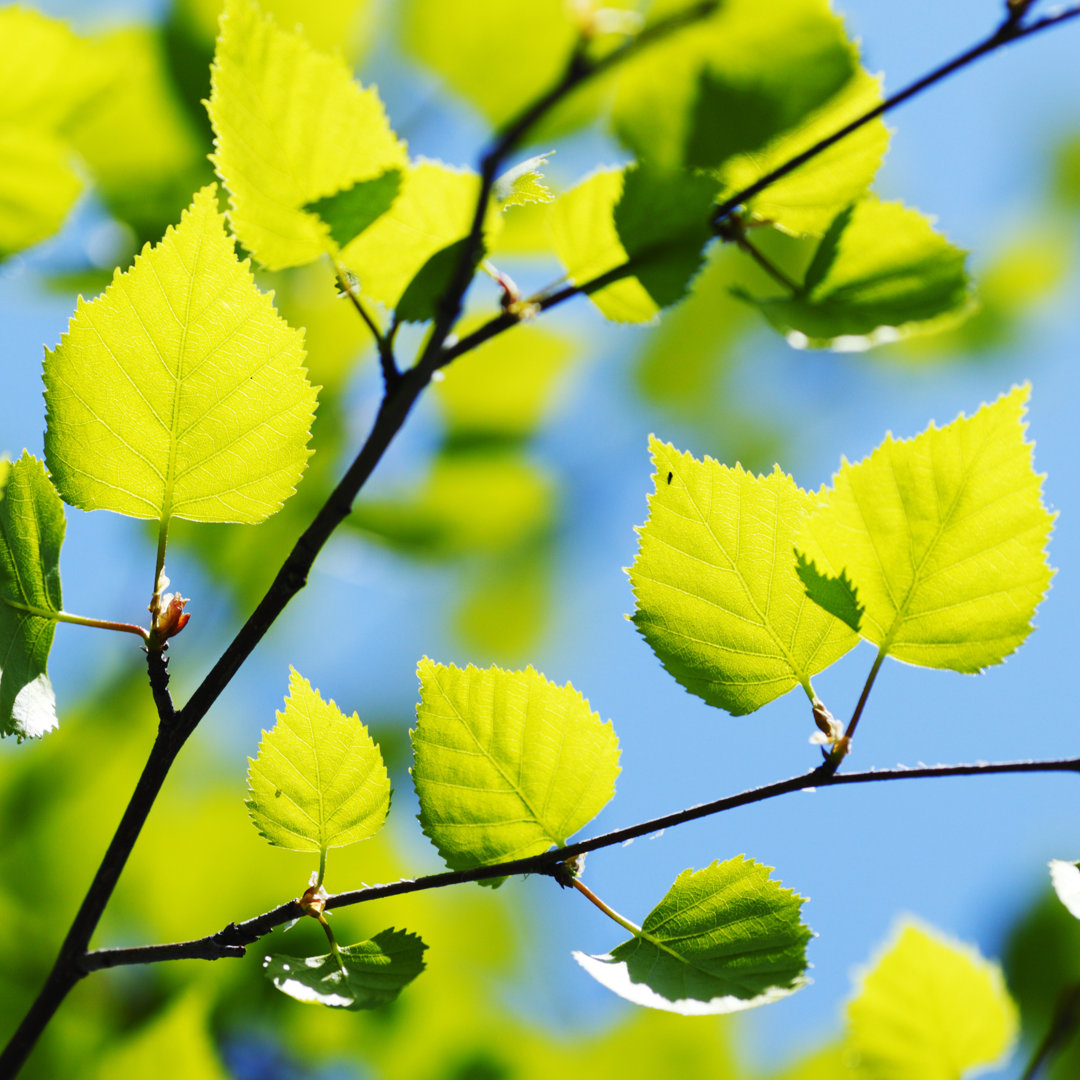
{"points": [[31, 532], [930, 1009], [319, 780], [723, 939], [657, 222], [507, 764], [718, 596], [880, 273], [179, 392], [291, 127], [943, 536], [362, 976]]}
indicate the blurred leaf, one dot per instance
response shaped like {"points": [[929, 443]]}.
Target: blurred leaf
{"points": [[930, 1009], [274, 98], [717, 596], [659, 221], [362, 976], [521, 184], [319, 780], [507, 764], [350, 211], [830, 1063], [835, 594], [723, 939], [31, 532], [1066, 172], [880, 272], [944, 537], [140, 423]]}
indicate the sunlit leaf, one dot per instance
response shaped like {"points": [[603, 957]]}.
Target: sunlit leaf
{"points": [[944, 538], [723, 939], [718, 597], [521, 184], [880, 273], [658, 222], [1065, 877], [319, 780], [291, 127], [507, 764], [31, 532], [930, 1009], [179, 392], [362, 976]]}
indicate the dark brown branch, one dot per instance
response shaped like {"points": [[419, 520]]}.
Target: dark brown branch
{"points": [[550, 862]]}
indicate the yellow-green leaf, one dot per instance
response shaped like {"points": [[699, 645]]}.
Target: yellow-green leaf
{"points": [[291, 127], [179, 392], [943, 536], [718, 596], [319, 780], [507, 764]]}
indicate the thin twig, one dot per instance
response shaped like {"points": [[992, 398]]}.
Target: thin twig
{"points": [[383, 342], [742, 242]]}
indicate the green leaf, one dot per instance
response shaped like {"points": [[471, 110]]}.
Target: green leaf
{"points": [[433, 211], [362, 976], [1065, 877], [419, 300], [944, 538], [179, 392], [880, 273], [836, 595], [658, 222], [291, 127], [507, 764], [319, 780], [718, 597], [521, 184], [930, 1009], [31, 532], [348, 213], [723, 939]]}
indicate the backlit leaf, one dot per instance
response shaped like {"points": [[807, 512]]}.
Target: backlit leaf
{"points": [[718, 596], [31, 532], [723, 939], [179, 392], [319, 780], [930, 1009], [944, 538], [507, 764], [362, 976], [291, 127], [521, 184]]}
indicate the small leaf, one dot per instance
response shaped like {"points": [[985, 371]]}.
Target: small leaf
{"points": [[31, 533], [362, 976], [319, 780], [880, 273], [835, 594], [351, 211], [930, 1009], [1065, 877], [521, 184], [179, 392], [507, 764], [944, 538], [723, 939], [718, 598], [290, 126], [418, 301]]}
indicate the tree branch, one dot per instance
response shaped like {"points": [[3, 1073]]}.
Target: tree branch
{"points": [[237, 935]]}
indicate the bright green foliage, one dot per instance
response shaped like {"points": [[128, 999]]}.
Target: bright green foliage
{"points": [[351, 211], [723, 939], [657, 222], [944, 538], [319, 780], [179, 392], [507, 764], [1066, 880], [880, 272], [362, 976], [434, 210], [31, 532], [291, 127], [929, 1009], [835, 594], [521, 184], [718, 597]]}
